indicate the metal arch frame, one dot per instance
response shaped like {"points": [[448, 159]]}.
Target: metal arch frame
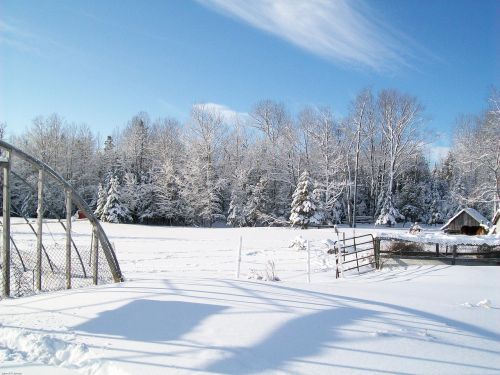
{"points": [[75, 198]]}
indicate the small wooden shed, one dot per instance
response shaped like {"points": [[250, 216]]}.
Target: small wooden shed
{"points": [[468, 221]]}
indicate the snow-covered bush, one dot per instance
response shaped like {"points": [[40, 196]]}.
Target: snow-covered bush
{"points": [[298, 243]]}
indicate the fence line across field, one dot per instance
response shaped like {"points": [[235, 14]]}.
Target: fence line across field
{"points": [[428, 249], [328, 255]]}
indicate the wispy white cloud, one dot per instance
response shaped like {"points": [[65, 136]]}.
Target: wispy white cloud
{"points": [[229, 115], [26, 41], [345, 31], [13, 37]]}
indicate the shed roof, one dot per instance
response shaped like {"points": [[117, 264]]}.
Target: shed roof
{"points": [[483, 222]]}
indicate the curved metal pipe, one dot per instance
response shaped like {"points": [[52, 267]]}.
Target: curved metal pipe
{"points": [[78, 201]]}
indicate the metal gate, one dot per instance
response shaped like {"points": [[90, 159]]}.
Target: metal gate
{"points": [[356, 253]]}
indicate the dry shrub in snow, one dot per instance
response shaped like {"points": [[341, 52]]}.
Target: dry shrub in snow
{"points": [[405, 247], [269, 274]]}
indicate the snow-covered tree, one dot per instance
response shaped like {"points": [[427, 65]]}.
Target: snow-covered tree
{"points": [[236, 212], [257, 207], [389, 215], [114, 210], [335, 214], [303, 205], [148, 201], [400, 123], [324, 150], [204, 186], [320, 215], [476, 151], [130, 195], [135, 145], [171, 205], [101, 201], [277, 150]]}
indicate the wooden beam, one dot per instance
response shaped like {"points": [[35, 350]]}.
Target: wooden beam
{"points": [[39, 226], [6, 225], [68, 239], [376, 248]]}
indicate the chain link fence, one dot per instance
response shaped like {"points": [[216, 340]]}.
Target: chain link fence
{"points": [[47, 253], [53, 270]]}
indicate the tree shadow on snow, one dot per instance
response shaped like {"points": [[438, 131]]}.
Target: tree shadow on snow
{"points": [[308, 335], [148, 320], [298, 338]]}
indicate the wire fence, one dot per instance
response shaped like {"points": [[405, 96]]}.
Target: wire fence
{"points": [[302, 259], [53, 271], [39, 255], [448, 252]]}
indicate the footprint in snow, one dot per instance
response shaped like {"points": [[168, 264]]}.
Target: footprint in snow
{"points": [[417, 333]]}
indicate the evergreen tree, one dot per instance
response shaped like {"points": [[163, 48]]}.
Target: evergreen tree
{"points": [[101, 201], [258, 205], [303, 205], [389, 215], [171, 203], [147, 204], [410, 201], [320, 216], [130, 192], [114, 210], [236, 213]]}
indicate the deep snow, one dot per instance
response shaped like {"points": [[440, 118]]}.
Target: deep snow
{"points": [[181, 310]]}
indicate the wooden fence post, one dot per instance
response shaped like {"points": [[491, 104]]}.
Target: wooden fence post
{"points": [[340, 264], [95, 255], [437, 249], [6, 225], [454, 250], [376, 249], [68, 239], [39, 227]]}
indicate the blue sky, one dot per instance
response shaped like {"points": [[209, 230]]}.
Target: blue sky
{"points": [[101, 62]]}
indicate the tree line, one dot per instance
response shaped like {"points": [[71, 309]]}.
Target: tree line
{"points": [[258, 169]]}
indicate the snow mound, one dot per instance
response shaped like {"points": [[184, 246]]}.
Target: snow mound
{"points": [[486, 303], [20, 345], [298, 243]]}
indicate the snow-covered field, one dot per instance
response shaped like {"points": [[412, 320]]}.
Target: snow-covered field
{"points": [[182, 310]]}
